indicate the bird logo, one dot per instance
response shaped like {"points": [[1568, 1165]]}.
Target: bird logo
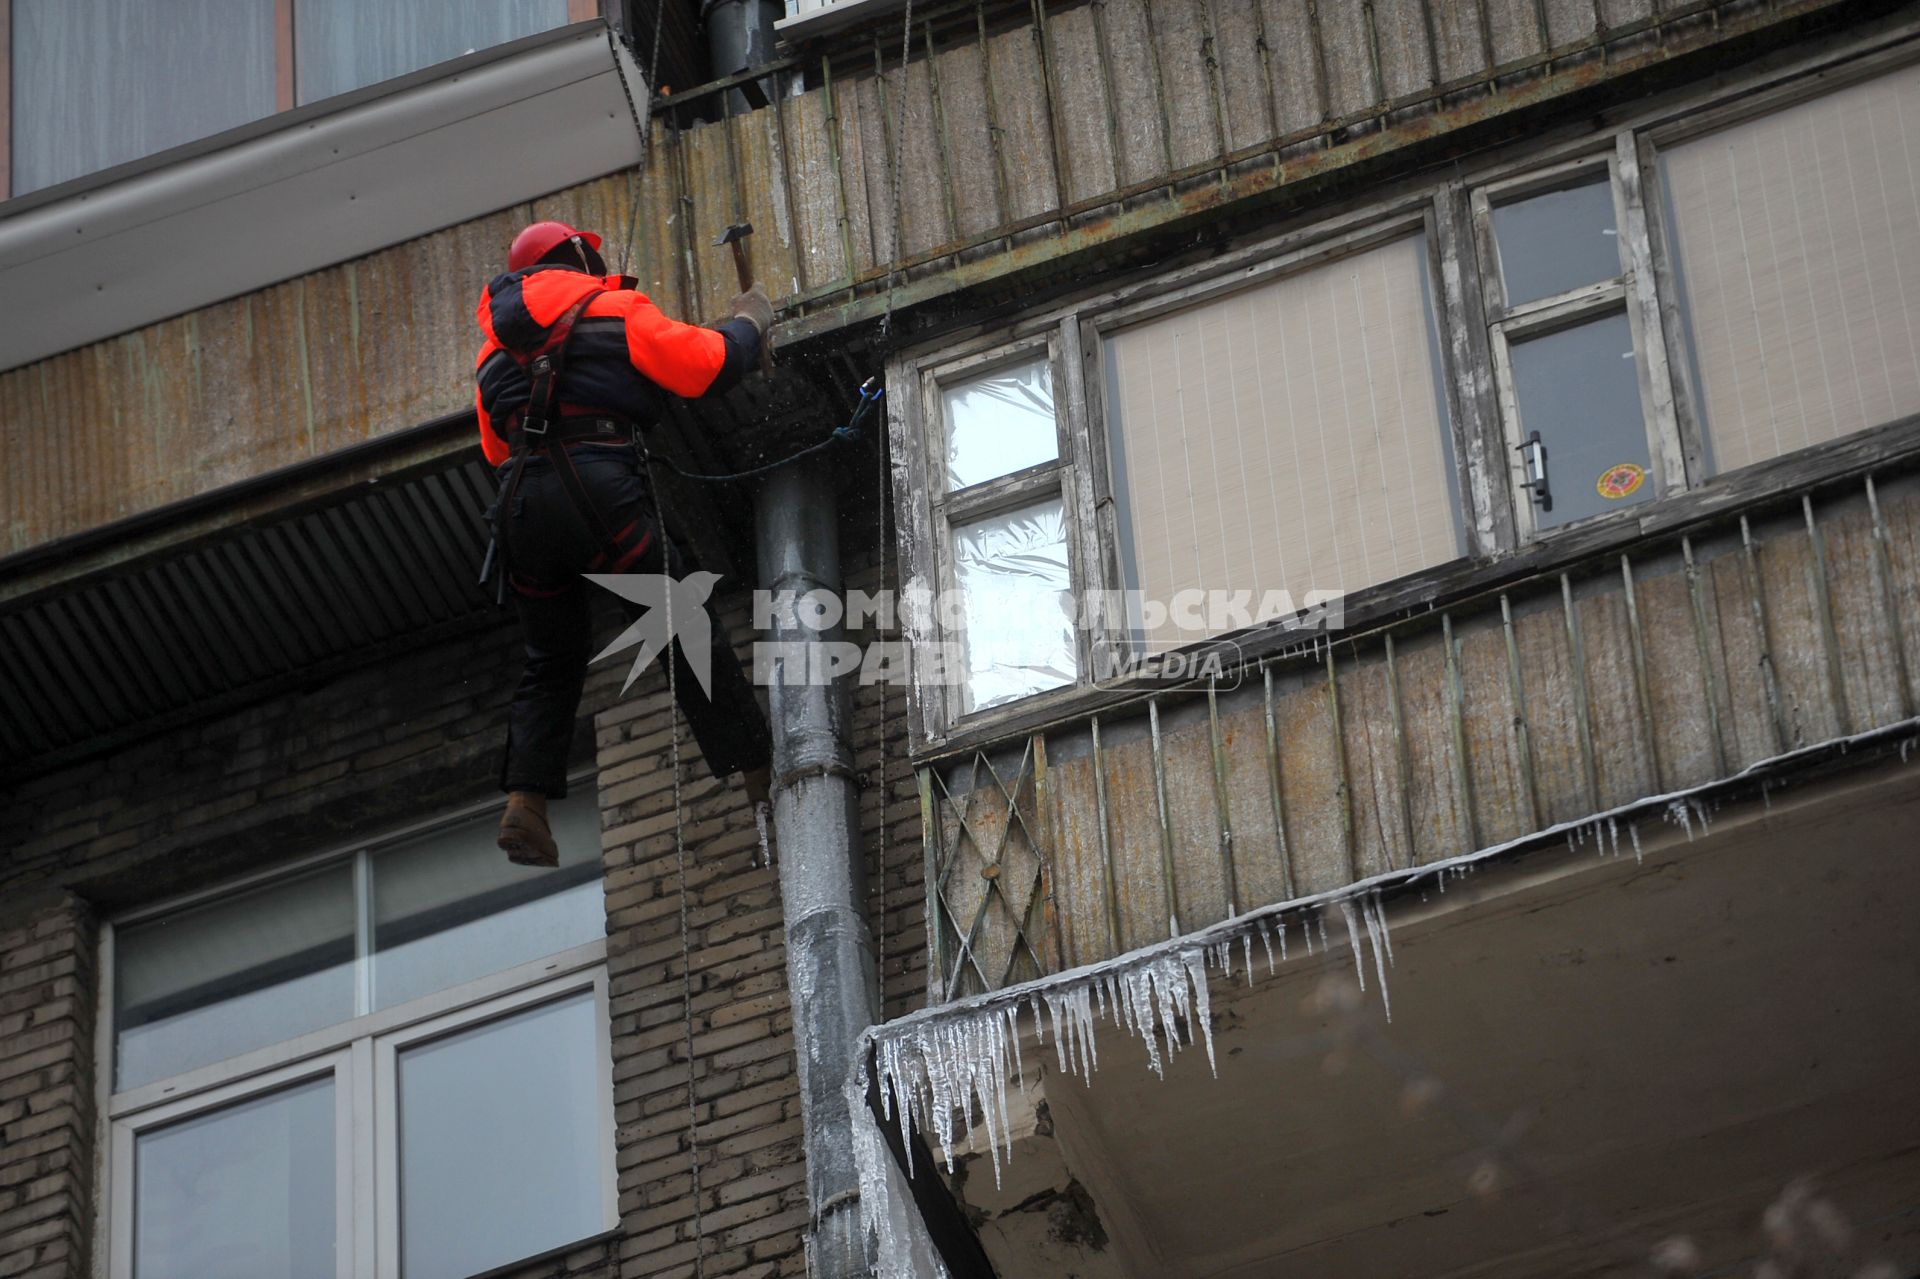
{"points": [[675, 608]]}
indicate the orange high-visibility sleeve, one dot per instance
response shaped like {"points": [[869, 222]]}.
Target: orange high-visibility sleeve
{"points": [[683, 359]]}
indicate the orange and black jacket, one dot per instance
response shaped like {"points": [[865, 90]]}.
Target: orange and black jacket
{"points": [[622, 359]]}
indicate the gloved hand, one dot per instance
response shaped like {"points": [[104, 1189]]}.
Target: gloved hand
{"points": [[756, 306]]}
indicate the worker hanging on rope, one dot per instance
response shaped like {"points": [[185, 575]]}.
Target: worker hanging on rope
{"points": [[576, 367]]}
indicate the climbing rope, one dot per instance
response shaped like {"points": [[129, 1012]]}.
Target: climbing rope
{"points": [[899, 160], [680, 861], [880, 627], [870, 393]]}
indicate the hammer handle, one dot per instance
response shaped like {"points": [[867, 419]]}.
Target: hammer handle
{"points": [[746, 283]]}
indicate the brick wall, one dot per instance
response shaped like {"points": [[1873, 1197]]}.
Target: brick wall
{"points": [[383, 747], [46, 1087]]}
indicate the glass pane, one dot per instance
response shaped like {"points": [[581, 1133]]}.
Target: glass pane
{"points": [[500, 1141], [449, 907], [344, 44], [246, 1192], [233, 975], [1000, 423], [1579, 388], [101, 83], [1013, 574], [1557, 241]]}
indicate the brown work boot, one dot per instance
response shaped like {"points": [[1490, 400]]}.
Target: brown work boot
{"points": [[758, 783], [524, 833]]}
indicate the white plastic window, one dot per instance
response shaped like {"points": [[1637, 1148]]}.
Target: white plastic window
{"points": [[423, 1020]]}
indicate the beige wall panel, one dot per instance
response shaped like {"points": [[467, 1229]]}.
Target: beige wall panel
{"points": [[1741, 653], [1349, 57], [1080, 102], [1193, 811], [1795, 636], [1310, 783], [1406, 65], [1866, 644], [1439, 810], [1243, 70], [1140, 878], [1181, 29], [1678, 685], [874, 129], [1516, 29], [1461, 41], [1079, 870], [1259, 866], [816, 191], [1900, 515], [1296, 84], [1619, 751], [656, 234], [1568, 20], [923, 197], [968, 144], [1493, 758], [1026, 138], [1373, 772], [1552, 691], [1138, 124], [771, 250]]}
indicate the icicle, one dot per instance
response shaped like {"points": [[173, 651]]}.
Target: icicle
{"points": [[1283, 939], [1013, 1037], [1353, 941], [1321, 920], [1613, 835], [1633, 832], [1246, 956], [1380, 913], [761, 813], [1679, 813], [1266, 940], [1370, 912]]}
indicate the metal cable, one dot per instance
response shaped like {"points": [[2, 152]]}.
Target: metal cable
{"points": [[899, 160], [680, 858]]}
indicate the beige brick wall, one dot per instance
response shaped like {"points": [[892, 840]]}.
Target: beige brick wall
{"points": [[382, 747]]}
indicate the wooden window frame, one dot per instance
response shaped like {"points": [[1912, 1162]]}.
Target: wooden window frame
{"points": [[1082, 474], [1631, 290]]}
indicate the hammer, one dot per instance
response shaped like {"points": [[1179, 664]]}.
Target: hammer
{"points": [[734, 236]]}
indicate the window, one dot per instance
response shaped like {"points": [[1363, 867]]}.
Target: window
{"points": [[1285, 437], [1566, 344], [1796, 241], [1481, 361], [1273, 438], [393, 1062], [101, 83]]}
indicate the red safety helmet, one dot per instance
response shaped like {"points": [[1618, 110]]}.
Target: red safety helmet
{"points": [[541, 239]]}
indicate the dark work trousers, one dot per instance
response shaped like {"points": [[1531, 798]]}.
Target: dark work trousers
{"points": [[548, 550]]}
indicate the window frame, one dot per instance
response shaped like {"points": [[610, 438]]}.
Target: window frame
{"points": [[1627, 140], [354, 1053], [285, 89], [1632, 291]]}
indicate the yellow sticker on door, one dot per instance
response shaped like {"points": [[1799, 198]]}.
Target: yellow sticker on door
{"points": [[1620, 481]]}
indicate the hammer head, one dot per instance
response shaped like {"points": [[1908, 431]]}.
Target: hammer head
{"points": [[738, 231]]}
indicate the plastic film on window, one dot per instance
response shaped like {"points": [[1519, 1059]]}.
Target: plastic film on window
{"points": [[1013, 572], [1000, 423]]}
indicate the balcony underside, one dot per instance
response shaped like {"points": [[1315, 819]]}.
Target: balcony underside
{"points": [[1545, 997]]}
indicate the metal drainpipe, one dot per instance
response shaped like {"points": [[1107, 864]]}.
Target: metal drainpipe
{"points": [[740, 37], [830, 954]]}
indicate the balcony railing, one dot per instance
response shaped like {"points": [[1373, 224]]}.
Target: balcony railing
{"points": [[1775, 611]]}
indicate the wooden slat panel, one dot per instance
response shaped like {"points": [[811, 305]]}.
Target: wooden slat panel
{"points": [[1079, 869], [1243, 69], [1144, 904], [1675, 680], [1439, 810], [1180, 29], [1081, 104], [1620, 762], [966, 142], [816, 191], [1026, 142], [1406, 65], [1310, 775], [1492, 761], [1187, 746], [1297, 91], [1553, 724], [1372, 771], [1516, 29]]}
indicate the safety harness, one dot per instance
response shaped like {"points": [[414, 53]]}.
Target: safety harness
{"points": [[540, 425]]}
